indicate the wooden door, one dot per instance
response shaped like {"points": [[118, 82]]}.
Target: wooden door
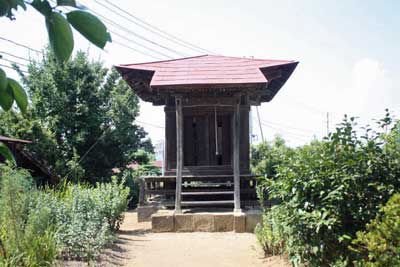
{"points": [[195, 139]]}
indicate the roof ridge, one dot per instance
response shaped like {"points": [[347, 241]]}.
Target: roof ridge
{"points": [[258, 59], [161, 61], [207, 55]]}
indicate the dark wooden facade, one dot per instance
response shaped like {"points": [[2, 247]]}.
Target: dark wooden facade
{"points": [[201, 140]]}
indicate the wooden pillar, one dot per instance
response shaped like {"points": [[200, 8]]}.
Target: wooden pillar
{"points": [[179, 153], [236, 155]]}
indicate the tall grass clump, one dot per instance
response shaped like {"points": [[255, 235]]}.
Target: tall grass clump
{"points": [[27, 237], [40, 226]]}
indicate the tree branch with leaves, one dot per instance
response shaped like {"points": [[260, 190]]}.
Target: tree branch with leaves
{"points": [[61, 41]]}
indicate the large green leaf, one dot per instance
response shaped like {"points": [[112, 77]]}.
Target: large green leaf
{"points": [[19, 94], [89, 26], [4, 8], [6, 98], [3, 80], [7, 6], [42, 6], [60, 36], [66, 3], [6, 153], [15, 3]]}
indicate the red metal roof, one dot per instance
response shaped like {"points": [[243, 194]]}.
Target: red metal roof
{"points": [[154, 81], [207, 69]]}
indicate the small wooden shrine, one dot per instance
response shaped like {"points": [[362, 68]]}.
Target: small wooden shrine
{"points": [[207, 101]]}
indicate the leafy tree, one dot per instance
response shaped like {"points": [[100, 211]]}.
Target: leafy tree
{"points": [[379, 246], [60, 38], [331, 189], [266, 156], [81, 118]]}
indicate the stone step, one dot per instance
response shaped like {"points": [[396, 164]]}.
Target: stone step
{"points": [[198, 193], [206, 203]]}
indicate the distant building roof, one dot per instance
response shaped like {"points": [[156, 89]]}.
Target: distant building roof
{"points": [[207, 71], [135, 165], [28, 160], [158, 163]]}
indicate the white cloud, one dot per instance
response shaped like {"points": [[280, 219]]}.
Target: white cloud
{"points": [[367, 73], [369, 89]]}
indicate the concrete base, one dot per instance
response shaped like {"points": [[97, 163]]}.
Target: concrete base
{"points": [[144, 212], [168, 221], [162, 222]]}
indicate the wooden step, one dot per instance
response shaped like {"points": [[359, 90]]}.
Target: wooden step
{"points": [[210, 184], [243, 177], [197, 193], [206, 203]]}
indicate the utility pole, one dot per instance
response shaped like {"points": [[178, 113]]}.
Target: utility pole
{"points": [[327, 123], [259, 123]]}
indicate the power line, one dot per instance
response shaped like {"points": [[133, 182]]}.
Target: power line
{"points": [[290, 127], [127, 46], [87, 151], [5, 66], [21, 45], [290, 135], [287, 132], [12, 55], [13, 62], [152, 28], [150, 124], [139, 44], [134, 49], [116, 25], [137, 35]]}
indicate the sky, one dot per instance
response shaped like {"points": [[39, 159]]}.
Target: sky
{"points": [[348, 52]]}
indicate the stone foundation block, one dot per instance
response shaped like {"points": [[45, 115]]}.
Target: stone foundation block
{"points": [[252, 219], [183, 222], [223, 223], [144, 213], [239, 222], [162, 223], [203, 223]]}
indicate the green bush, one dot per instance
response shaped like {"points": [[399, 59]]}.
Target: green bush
{"points": [[267, 156], [380, 243], [82, 231], [329, 190], [269, 233], [112, 201], [85, 217], [131, 178]]}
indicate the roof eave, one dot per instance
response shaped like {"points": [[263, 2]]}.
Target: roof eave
{"points": [[277, 82]]}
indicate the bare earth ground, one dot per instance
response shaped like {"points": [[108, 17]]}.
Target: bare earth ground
{"points": [[138, 247]]}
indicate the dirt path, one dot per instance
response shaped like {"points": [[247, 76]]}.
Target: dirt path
{"points": [[141, 248]]}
